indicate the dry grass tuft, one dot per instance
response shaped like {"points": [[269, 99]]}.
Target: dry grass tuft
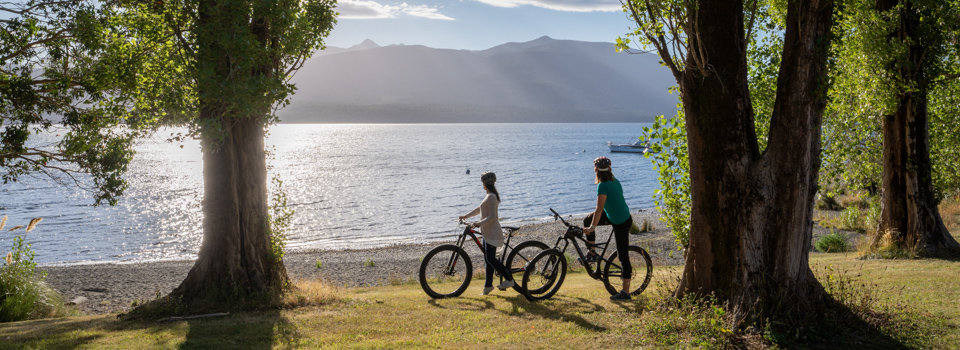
{"points": [[950, 212], [33, 224], [311, 293]]}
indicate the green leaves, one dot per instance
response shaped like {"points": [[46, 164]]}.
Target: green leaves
{"points": [[668, 154]]}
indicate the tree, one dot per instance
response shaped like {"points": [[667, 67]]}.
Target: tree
{"points": [[64, 70], [895, 58], [231, 65], [752, 211]]}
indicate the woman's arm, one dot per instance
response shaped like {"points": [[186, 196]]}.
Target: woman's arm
{"points": [[601, 199], [490, 206], [473, 212]]}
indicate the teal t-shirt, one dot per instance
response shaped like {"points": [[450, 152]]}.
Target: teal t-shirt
{"points": [[615, 206]]}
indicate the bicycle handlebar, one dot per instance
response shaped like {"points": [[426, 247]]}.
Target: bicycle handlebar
{"points": [[557, 216]]}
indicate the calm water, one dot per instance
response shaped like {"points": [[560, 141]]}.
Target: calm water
{"points": [[352, 186]]}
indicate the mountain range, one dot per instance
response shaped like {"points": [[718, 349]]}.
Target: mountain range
{"points": [[543, 80]]}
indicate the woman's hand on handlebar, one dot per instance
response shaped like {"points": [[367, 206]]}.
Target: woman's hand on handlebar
{"points": [[589, 230]]}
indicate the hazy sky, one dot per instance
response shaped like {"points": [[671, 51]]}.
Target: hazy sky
{"points": [[475, 24]]}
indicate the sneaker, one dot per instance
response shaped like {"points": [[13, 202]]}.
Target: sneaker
{"points": [[506, 284], [592, 256], [486, 291], [621, 295]]}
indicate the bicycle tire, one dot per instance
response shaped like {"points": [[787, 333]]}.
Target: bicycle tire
{"points": [[544, 275], [612, 270], [445, 272], [520, 256]]}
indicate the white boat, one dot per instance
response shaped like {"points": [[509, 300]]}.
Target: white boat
{"points": [[638, 146]]}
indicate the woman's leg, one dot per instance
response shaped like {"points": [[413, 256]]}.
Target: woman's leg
{"points": [[592, 236], [493, 264], [621, 233]]}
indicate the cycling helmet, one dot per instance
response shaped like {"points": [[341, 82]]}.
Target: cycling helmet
{"points": [[488, 177], [602, 163]]}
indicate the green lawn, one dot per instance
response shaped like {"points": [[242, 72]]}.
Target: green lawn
{"points": [[580, 316]]}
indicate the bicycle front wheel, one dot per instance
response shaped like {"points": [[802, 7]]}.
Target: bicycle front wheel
{"points": [[642, 268], [520, 256], [544, 275], [445, 272]]}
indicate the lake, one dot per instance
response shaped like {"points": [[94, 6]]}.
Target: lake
{"points": [[352, 186]]}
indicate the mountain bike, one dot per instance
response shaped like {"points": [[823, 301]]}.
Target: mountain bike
{"points": [[446, 270], [545, 273]]}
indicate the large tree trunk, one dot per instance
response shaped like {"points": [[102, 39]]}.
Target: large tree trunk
{"points": [[910, 213], [752, 213], [236, 254]]}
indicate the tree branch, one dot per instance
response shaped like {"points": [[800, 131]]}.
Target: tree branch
{"points": [[56, 36]]}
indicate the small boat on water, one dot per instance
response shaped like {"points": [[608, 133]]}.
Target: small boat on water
{"points": [[638, 146]]}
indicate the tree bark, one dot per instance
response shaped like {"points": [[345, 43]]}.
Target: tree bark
{"points": [[751, 221], [235, 255], [909, 206]]}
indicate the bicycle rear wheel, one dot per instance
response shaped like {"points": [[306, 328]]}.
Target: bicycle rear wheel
{"points": [[642, 268], [520, 256], [544, 275], [445, 272]]}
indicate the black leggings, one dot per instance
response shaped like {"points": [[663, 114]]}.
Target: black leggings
{"points": [[490, 258], [621, 233]]}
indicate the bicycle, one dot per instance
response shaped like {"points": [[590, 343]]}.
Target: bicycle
{"points": [[545, 273], [446, 270]]}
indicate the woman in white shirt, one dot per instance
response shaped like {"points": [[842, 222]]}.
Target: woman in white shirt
{"points": [[489, 225]]}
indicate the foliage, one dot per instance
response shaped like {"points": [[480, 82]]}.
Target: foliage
{"points": [[871, 217], [24, 294], [65, 69], [274, 38], [866, 87], [670, 160], [850, 219], [281, 218], [834, 242], [763, 64]]}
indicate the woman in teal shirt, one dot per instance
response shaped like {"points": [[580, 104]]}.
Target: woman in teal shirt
{"points": [[611, 210]]}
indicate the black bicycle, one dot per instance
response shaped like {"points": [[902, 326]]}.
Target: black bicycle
{"points": [[545, 273], [446, 270]]}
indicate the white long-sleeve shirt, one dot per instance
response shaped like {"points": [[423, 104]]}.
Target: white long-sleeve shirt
{"points": [[489, 220]]}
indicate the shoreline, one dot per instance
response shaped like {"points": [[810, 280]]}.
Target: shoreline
{"points": [[112, 288], [102, 288]]}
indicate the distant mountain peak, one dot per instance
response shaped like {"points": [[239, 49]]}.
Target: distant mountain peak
{"points": [[366, 44], [544, 38]]}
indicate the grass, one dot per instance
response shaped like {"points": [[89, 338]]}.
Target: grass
{"points": [[579, 316]]}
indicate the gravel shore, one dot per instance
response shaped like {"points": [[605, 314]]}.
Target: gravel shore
{"points": [[112, 288]]}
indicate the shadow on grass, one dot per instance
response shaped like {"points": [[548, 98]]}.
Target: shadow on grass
{"points": [[559, 308], [840, 328], [48, 334], [255, 330]]}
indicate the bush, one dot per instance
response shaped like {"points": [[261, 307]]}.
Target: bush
{"points": [[24, 294], [850, 219], [871, 219], [832, 243]]}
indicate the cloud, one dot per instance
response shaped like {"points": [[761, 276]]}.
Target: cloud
{"points": [[359, 9], [561, 5]]}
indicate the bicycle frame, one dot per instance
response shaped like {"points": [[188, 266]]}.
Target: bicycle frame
{"points": [[568, 238], [467, 231]]}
